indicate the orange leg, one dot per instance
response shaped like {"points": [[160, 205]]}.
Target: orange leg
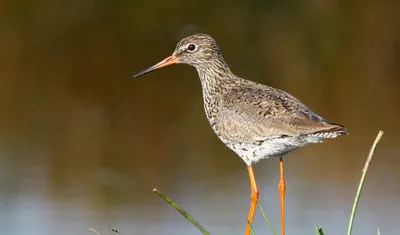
{"points": [[254, 200], [282, 190]]}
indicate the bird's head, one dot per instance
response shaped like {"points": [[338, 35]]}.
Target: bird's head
{"points": [[196, 50]]}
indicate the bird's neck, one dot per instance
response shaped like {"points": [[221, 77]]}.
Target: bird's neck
{"points": [[215, 77]]}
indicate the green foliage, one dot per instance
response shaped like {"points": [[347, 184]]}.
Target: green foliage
{"points": [[181, 211], [267, 220], [318, 229]]}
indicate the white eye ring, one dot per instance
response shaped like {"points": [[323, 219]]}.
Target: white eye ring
{"points": [[191, 47]]}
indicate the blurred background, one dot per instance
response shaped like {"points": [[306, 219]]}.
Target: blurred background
{"points": [[82, 144]]}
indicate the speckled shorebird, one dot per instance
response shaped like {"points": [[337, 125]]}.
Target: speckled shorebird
{"points": [[254, 120]]}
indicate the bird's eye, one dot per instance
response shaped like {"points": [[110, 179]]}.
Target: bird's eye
{"points": [[191, 47]]}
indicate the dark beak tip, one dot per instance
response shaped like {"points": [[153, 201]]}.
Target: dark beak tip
{"points": [[142, 73]]}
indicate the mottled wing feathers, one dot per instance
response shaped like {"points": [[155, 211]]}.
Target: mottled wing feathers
{"points": [[255, 112]]}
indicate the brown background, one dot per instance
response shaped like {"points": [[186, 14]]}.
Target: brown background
{"points": [[82, 144]]}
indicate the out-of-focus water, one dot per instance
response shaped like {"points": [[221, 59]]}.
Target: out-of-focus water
{"points": [[82, 144]]}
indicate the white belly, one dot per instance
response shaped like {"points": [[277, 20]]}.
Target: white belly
{"points": [[272, 147]]}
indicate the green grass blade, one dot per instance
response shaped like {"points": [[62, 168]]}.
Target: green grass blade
{"points": [[181, 211], [361, 184], [251, 228], [266, 219], [319, 231]]}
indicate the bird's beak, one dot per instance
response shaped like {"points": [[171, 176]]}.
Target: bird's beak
{"points": [[168, 61]]}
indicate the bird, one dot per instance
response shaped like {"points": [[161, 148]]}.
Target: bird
{"points": [[254, 120]]}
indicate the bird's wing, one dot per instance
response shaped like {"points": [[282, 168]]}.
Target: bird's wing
{"points": [[259, 112]]}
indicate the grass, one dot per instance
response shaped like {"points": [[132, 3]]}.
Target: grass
{"points": [[267, 220], [181, 211], [361, 184], [111, 230], [318, 229]]}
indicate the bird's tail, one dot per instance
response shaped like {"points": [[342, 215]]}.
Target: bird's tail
{"points": [[332, 131]]}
